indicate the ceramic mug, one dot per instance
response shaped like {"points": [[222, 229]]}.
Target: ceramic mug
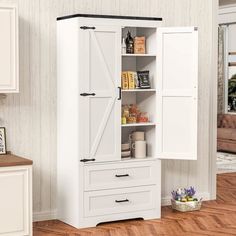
{"points": [[137, 136], [139, 149]]}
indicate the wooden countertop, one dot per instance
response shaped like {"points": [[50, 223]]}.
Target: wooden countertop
{"points": [[12, 160]]}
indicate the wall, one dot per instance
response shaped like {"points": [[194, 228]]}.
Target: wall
{"points": [[30, 117]]}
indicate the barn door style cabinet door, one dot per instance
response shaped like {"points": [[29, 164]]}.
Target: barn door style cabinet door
{"points": [[94, 183], [9, 71], [177, 93]]}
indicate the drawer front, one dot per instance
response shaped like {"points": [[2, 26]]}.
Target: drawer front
{"points": [[121, 200], [118, 175]]}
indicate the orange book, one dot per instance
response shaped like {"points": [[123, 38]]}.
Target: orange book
{"points": [[139, 45]]}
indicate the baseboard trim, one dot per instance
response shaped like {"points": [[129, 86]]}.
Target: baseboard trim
{"points": [[166, 201], [44, 215]]}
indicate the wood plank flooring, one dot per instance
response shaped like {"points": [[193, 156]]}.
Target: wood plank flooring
{"points": [[216, 218]]}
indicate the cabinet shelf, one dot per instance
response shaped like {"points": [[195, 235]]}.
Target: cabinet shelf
{"points": [[138, 90], [139, 124], [132, 159], [139, 55]]}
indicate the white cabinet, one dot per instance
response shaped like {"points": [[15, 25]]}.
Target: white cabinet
{"points": [[15, 197], [9, 78], [94, 183]]}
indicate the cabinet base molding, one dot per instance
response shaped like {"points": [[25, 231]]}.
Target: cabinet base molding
{"points": [[94, 221]]}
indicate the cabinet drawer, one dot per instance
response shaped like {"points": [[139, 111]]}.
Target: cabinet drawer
{"points": [[120, 175], [121, 200]]}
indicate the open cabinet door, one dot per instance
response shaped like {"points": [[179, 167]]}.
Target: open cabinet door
{"points": [[177, 93], [100, 107]]}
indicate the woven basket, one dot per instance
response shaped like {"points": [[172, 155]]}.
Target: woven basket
{"points": [[186, 206]]}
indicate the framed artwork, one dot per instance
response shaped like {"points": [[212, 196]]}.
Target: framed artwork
{"points": [[3, 148]]}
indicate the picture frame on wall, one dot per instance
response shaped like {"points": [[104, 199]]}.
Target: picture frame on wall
{"points": [[3, 148]]}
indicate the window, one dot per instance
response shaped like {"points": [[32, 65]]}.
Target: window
{"points": [[232, 84], [230, 68]]}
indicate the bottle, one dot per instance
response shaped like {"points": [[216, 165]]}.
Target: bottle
{"points": [[123, 46], [129, 41]]}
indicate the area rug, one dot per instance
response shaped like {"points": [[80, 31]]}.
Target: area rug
{"points": [[226, 162]]}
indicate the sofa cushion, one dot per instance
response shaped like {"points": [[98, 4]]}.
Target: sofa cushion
{"points": [[226, 133]]}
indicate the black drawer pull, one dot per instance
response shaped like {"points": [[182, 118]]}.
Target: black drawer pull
{"points": [[125, 175], [125, 200], [86, 160], [87, 94], [87, 27]]}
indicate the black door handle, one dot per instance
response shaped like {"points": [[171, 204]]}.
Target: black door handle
{"points": [[87, 27], [119, 98], [125, 175], [86, 160], [87, 94], [119, 201]]}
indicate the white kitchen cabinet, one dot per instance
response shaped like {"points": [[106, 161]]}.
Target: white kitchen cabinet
{"points": [[94, 183], [9, 56], [16, 196]]}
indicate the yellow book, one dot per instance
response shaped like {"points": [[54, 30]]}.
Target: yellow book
{"points": [[124, 80], [131, 78]]}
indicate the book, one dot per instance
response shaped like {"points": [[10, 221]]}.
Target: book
{"points": [[131, 79], [124, 80]]}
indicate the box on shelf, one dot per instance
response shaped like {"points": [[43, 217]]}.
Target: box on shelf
{"points": [[125, 80], [131, 79], [139, 45]]}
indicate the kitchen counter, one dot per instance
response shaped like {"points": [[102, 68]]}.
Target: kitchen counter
{"points": [[13, 160]]}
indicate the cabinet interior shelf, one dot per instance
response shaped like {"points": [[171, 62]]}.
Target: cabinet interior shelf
{"points": [[138, 90], [139, 124], [132, 159], [139, 55]]}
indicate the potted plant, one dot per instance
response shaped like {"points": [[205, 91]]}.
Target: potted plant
{"points": [[184, 200]]}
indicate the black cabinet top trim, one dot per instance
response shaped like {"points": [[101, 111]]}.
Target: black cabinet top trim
{"points": [[111, 17]]}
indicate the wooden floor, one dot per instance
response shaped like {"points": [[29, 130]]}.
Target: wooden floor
{"points": [[215, 218]]}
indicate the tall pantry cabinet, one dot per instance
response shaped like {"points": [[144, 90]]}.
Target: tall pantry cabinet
{"points": [[94, 183]]}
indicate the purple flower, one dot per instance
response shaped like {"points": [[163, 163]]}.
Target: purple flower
{"points": [[190, 191]]}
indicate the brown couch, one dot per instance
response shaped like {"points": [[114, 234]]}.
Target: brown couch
{"points": [[226, 133]]}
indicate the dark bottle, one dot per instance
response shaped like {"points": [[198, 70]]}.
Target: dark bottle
{"points": [[129, 41]]}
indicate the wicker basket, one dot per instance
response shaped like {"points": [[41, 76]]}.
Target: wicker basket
{"points": [[186, 206]]}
